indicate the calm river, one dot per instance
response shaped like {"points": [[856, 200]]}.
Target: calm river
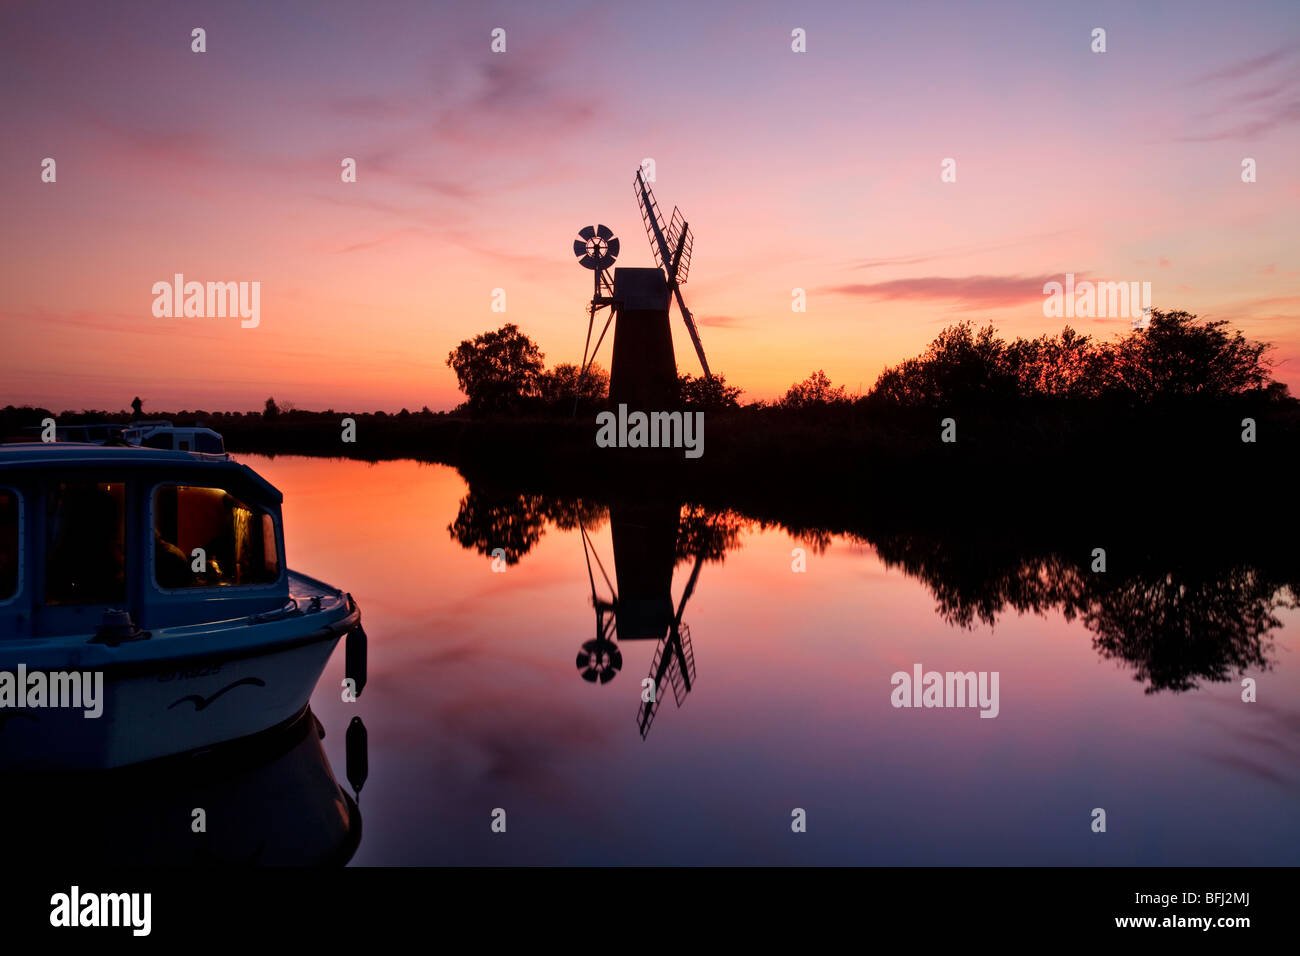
{"points": [[497, 683]]}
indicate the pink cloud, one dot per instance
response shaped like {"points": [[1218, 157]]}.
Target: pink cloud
{"points": [[971, 292], [1247, 67]]}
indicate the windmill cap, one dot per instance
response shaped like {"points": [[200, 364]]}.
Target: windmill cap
{"points": [[640, 288]]}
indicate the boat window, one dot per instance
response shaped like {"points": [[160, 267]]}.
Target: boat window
{"points": [[85, 543], [157, 440], [211, 444], [9, 553], [237, 541]]}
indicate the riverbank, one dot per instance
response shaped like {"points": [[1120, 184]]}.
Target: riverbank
{"points": [[1054, 455]]}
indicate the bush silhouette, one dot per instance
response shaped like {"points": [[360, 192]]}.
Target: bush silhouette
{"points": [[1175, 357]]}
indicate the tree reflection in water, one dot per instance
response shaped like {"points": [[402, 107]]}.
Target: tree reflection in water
{"points": [[515, 522], [1176, 620], [1179, 616]]}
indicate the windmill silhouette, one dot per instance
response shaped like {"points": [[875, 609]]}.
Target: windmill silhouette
{"points": [[643, 369], [645, 542]]}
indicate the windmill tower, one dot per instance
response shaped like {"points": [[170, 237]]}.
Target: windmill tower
{"points": [[643, 373]]}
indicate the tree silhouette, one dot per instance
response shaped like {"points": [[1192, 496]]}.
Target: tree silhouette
{"points": [[1180, 357], [497, 370], [559, 386], [699, 392], [813, 391]]}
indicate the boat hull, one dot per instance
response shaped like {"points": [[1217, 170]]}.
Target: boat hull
{"points": [[176, 692]]}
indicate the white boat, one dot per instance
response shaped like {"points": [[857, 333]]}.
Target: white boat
{"points": [[159, 433], [161, 576]]}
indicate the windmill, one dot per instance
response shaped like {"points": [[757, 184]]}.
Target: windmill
{"points": [[643, 362]]}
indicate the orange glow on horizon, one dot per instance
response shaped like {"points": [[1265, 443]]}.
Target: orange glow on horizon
{"points": [[479, 180]]}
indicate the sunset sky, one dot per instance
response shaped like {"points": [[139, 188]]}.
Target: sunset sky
{"points": [[816, 170]]}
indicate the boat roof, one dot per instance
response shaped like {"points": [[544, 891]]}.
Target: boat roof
{"points": [[37, 428], [37, 455]]}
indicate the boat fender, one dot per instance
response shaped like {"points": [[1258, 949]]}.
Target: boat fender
{"points": [[355, 659], [358, 755]]}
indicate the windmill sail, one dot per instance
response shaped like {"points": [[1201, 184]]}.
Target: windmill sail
{"points": [[671, 245]]}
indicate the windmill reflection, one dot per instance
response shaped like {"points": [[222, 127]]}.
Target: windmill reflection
{"points": [[633, 597], [640, 606], [649, 540]]}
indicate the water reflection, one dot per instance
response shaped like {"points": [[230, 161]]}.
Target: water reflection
{"points": [[1177, 614], [514, 522], [650, 539], [267, 800], [475, 702]]}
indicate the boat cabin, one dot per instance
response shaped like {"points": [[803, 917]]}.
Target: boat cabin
{"points": [[165, 435], [170, 537]]}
